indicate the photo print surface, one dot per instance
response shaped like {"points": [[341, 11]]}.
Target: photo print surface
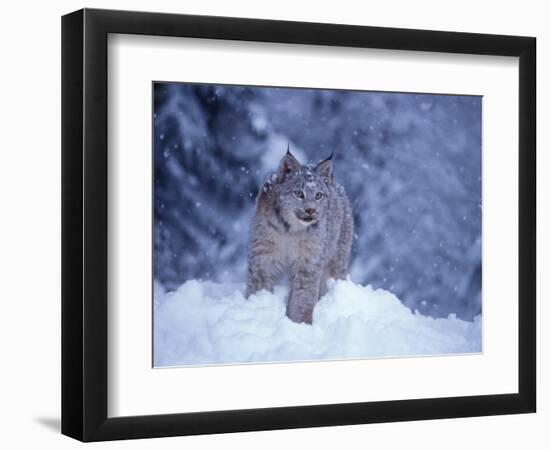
{"points": [[297, 224]]}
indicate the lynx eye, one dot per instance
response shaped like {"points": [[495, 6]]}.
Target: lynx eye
{"points": [[318, 196], [299, 194]]}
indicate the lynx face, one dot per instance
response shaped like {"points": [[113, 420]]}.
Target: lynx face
{"points": [[301, 192]]}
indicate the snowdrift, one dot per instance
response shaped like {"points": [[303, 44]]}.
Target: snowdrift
{"points": [[207, 323]]}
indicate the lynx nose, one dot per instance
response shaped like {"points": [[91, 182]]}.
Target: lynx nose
{"points": [[311, 211]]}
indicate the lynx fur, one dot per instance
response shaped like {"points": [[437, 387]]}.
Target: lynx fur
{"points": [[302, 228]]}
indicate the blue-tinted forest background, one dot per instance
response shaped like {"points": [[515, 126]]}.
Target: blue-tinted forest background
{"points": [[410, 164]]}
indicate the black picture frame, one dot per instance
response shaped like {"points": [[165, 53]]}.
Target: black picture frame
{"points": [[84, 224]]}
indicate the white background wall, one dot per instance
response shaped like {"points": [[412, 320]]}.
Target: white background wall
{"points": [[30, 225]]}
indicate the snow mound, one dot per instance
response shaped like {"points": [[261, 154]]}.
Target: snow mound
{"points": [[209, 323]]}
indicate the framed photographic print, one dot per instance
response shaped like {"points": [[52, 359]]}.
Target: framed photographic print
{"points": [[273, 224]]}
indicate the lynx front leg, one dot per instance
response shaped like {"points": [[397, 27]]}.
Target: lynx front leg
{"points": [[263, 273], [304, 294], [257, 280]]}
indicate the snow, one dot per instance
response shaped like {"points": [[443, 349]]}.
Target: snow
{"points": [[204, 323]]}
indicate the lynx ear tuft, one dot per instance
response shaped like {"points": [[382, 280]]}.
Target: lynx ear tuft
{"points": [[287, 165], [324, 169]]}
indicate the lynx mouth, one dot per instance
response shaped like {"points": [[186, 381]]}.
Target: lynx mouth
{"points": [[308, 220]]}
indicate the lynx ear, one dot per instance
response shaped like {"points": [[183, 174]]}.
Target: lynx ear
{"points": [[287, 165], [324, 169]]}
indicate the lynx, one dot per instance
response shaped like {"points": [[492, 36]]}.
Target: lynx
{"points": [[303, 228]]}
